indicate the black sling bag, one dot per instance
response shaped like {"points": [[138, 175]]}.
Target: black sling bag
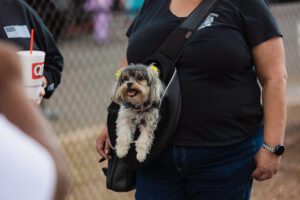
{"points": [[120, 172]]}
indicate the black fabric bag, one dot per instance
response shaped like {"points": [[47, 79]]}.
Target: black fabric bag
{"points": [[165, 59], [169, 112], [118, 177]]}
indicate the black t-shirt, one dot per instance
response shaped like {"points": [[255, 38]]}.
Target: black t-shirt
{"points": [[16, 20], [220, 93]]}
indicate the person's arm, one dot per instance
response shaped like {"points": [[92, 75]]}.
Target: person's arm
{"points": [[102, 142], [21, 112], [270, 65]]}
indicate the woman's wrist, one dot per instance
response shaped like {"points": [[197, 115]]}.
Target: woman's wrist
{"points": [[273, 138]]}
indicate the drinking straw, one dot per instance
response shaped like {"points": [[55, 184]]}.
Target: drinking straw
{"points": [[31, 40]]}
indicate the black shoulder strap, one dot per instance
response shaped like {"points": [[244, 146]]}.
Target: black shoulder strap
{"points": [[174, 44]]}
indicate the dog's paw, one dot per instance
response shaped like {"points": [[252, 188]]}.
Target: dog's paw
{"points": [[142, 150], [141, 157], [121, 151]]}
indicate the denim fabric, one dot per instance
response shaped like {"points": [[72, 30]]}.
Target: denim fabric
{"points": [[201, 173]]}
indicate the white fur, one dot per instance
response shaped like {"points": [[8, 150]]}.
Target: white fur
{"points": [[127, 122]]}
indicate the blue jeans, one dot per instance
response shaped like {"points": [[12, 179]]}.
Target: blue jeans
{"points": [[201, 173]]}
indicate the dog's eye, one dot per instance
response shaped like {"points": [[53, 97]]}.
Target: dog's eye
{"points": [[126, 78], [140, 78]]}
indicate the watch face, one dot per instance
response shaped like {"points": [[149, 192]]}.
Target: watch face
{"points": [[279, 150]]}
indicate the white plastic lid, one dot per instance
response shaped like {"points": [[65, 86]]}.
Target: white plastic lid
{"points": [[34, 53]]}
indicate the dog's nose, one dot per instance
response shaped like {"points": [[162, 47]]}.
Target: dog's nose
{"points": [[129, 84]]}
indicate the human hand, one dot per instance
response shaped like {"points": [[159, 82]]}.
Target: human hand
{"points": [[267, 165], [103, 144], [42, 91], [42, 94]]}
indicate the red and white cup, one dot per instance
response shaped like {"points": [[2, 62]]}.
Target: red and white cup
{"points": [[32, 72]]}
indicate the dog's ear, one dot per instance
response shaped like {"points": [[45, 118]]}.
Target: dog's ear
{"points": [[116, 96], [156, 86]]}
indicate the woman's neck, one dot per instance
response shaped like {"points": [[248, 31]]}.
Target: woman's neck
{"points": [[182, 8]]}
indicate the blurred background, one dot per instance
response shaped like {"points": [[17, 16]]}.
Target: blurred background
{"points": [[92, 40]]}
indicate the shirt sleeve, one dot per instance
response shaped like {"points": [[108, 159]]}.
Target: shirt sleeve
{"points": [[54, 60], [258, 22], [132, 27]]}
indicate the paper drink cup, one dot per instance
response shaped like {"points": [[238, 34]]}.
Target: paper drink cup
{"points": [[32, 71], [33, 92]]}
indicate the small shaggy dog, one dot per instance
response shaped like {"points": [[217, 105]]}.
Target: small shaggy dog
{"points": [[139, 91]]}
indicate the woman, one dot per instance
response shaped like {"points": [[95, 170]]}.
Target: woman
{"points": [[218, 146]]}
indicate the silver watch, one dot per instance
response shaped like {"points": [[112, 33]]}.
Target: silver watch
{"points": [[277, 150]]}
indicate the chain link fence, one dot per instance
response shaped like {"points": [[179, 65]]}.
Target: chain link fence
{"points": [[78, 107]]}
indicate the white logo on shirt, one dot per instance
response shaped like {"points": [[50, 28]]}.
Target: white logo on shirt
{"points": [[208, 21], [17, 31]]}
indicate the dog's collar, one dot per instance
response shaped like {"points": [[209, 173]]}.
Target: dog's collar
{"points": [[145, 107]]}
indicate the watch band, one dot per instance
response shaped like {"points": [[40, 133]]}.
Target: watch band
{"points": [[277, 150], [268, 148]]}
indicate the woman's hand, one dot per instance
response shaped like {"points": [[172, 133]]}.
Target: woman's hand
{"points": [[42, 94], [42, 91], [267, 165], [103, 144]]}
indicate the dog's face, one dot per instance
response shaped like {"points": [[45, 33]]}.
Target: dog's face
{"points": [[137, 84]]}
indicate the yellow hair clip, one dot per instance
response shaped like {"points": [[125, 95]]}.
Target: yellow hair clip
{"points": [[119, 72], [154, 68]]}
